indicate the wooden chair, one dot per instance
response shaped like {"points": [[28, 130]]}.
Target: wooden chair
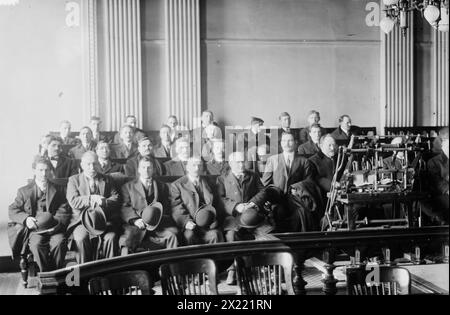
{"points": [[392, 281], [191, 277], [263, 274], [122, 283]]}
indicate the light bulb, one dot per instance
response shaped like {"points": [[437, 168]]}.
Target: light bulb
{"points": [[390, 2], [431, 14], [387, 25]]}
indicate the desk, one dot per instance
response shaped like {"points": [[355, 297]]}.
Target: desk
{"points": [[429, 279]]}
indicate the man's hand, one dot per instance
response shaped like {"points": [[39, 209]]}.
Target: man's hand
{"points": [[190, 225], [241, 207], [140, 224], [97, 200], [31, 223]]}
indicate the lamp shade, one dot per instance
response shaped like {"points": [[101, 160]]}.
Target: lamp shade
{"points": [[387, 25], [390, 2], [431, 14]]}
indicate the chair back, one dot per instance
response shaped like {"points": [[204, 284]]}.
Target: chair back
{"points": [[265, 274], [122, 283], [190, 277], [379, 280]]}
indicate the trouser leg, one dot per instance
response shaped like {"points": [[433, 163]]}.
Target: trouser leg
{"points": [[58, 249], [84, 245], [39, 247], [110, 246]]}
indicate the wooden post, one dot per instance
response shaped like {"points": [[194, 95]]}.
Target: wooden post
{"points": [[24, 269], [299, 282], [329, 282]]}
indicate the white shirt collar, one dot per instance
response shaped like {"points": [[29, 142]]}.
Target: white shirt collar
{"points": [[194, 180], [41, 185]]}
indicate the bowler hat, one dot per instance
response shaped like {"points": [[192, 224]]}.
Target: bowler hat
{"points": [[46, 223], [94, 221], [152, 215], [205, 216], [251, 218]]}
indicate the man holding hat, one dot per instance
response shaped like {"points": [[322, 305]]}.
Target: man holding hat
{"points": [[39, 217], [145, 149], [242, 199], [95, 214], [145, 202], [192, 210]]}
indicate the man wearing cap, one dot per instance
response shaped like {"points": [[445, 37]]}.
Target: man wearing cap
{"points": [[39, 216], [177, 166], [311, 147], [192, 207], [64, 133], [164, 149], [93, 196], [312, 119], [107, 166], [145, 149], [239, 192], [216, 164], [87, 144], [146, 212], [126, 148], [60, 166]]}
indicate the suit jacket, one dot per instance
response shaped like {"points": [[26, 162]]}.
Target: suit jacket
{"points": [[120, 151], [70, 141], [308, 149], [304, 134], [174, 168], [184, 200], [111, 167], [78, 195], [160, 152], [439, 174], [138, 134], [78, 151], [64, 168], [276, 171], [131, 168], [25, 205], [217, 168], [323, 170]]}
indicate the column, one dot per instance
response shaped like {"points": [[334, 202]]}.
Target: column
{"points": [[183, 60], [440, 79]]}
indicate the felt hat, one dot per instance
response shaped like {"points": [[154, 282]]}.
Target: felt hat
{"points": [[205, 216], [152, 215], [94, 221], [46, 223]]}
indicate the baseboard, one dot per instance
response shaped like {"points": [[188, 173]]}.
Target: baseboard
{"points": [[8, 265]]}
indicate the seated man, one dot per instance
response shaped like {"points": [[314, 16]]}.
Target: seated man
{"points": [[176, 131], [138, 134], [64, 133], [43, 145], [98, 136], [107, 166], [191, 202], [324, 163], [145, 149], [177, 166], [60, 166], [313, 119], [438, 169], [285, 126], [217, 165], [239, 190], [90, 191], [126, 148], [311, 147], [283, 170], [87, 144], [40, 216], [165, 148], [137, 196], [208, 129], [344, 132], [255, 135]]}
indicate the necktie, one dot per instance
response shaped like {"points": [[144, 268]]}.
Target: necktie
{"points": [[92, 186], [288, 164]]}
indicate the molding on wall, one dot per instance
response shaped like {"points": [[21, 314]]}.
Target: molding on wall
{"points": [[285, 42]]}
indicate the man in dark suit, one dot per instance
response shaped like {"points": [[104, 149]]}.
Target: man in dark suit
{"points": [[145, 149], [87, 144], [85, 192], [311, 147], [95, 125], [37, 198], [438, 168], [344, 132], [137, 195], [208, 129], [285, 127], [64, 133], [324, 164], [60, 166], [126, 148], [107, 166], [255, 136], [217, 165], [165, 148], [177, 166], [138, 134], [282, 171], [313, 119], [189, 195]]}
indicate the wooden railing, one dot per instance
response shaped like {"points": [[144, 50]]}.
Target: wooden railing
{"points": [[326, 245]]}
